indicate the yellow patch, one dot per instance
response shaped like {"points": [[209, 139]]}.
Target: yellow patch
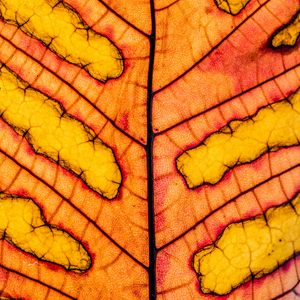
{"points": [[22, 225], [232, 7], [272, 128], [57, 25], [253, 247], [288, 36], [58, 136]]}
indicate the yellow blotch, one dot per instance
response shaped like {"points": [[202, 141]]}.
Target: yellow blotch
{"points": [[58, 136], [288, 36], [242, 141], [232, 7], [56, 24], [253, 247], [23, 225]]}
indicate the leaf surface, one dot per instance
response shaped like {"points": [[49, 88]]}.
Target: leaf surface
{"points": [[103, 105]]}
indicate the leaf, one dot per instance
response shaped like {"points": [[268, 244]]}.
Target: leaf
{"points": [[288, 35], [103, 105], [23, 225], [250, 249]]}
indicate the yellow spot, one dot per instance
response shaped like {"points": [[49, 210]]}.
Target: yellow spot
{"points": [[57, 25], [22, 225], [58, 136], [253, 247], [288, 36], [232, 7], [243, 141]]}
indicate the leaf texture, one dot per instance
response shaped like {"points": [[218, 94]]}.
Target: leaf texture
{"points": [[147, 147]]}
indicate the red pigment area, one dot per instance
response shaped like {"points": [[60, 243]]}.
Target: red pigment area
{"points": [[20, 192], [161, 188], [252, 63], [3, 275], [108, 31], [124, 122], [162, 267]]}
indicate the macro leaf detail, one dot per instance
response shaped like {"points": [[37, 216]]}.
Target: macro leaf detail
{"points": [[149, 149]]}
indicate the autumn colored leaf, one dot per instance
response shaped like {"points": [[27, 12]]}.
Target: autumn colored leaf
{"points": [[149, 149]]}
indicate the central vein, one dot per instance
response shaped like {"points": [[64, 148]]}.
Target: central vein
{"points": [[149, 153]]}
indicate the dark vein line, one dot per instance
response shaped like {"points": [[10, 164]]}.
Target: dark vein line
{"points": [[76, 91], [75, 208], [168, 6], [212, 49], [123, 19], [286, 292], [37, 281], [149, 156], [228, 99], [225, 204]]}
